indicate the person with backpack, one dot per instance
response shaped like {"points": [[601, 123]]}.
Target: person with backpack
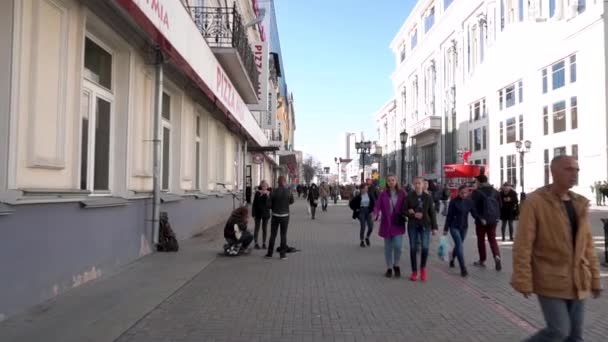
{"points": [[261, 213], [279, 201], [313, 199], [509, 206], [487, 204], [235, 231], [362, 206], [420, 209]]}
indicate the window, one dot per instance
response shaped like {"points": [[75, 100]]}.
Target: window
{"points": [[510, 96], [520, 87], [477, 142], [501, 132], [547, 173], [545, 120], [559, 151], [502, 15], [511, 129], [559, 75], [447, 3], [197, 151], [477, 111], [573, 112], [470, 113], [484, 137], [402, 53], [502, 170], [559, 116], [484, 110], [96, 119], [500, 99], [470, 140], [521, 166], [545, 81], [572, 68], [575, 155], [166, 142], [414, 39], [582, 6], [97, 64], [512, 169], [429, 20], [521, 127], [474, 47], [521, 10], [551, 8]]}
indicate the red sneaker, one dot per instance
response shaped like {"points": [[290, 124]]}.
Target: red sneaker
{"points": [[414, 276], [423, 276]]}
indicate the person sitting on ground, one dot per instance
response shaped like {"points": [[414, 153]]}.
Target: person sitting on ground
{"points": [[238, 238]]}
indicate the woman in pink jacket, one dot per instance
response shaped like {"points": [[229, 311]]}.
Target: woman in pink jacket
{"points": [[389, 204]]}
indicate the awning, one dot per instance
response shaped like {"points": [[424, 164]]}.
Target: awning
{"points": [[262, 148], [463, 170]]}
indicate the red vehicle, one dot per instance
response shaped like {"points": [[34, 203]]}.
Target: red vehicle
{"points": [[456, 175]]}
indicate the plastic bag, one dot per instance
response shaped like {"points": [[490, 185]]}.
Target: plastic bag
{"points": [[442, 250]]}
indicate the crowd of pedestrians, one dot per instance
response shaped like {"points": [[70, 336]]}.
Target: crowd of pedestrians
{"points": [[553, 249]]}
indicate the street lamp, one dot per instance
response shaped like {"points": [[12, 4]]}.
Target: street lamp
{"points": [[522, 149], [337, 160], [403, 137], [363, 148]]}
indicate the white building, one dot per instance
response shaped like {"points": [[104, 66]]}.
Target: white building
{"points": [[79, 84], [480, 75]]}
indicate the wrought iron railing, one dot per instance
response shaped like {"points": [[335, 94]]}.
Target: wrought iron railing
{"points": [[222, 27]]}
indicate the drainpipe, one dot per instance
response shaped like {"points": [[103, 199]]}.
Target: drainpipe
{"points": [[243, 200], [158, 105]]}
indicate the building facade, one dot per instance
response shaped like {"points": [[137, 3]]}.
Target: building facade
{"points": [[480, 76], [81, 82]]}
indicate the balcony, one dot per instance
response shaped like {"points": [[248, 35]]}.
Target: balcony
{"points": [[426, 125], [224, 31]]}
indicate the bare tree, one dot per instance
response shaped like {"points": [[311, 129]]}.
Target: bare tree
{"points": [[310, 168]]}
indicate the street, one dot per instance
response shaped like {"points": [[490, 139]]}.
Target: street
{"points": [[332, 290]]}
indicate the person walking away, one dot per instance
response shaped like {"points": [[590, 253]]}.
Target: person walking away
{"points": [[313, 199], [363, 207], [235, 230], [422, 221], [324, 194], [279, 201], [487, 204], [554, 255], [457, 224], [261, 213], [299, 190], [391, 230], [445, 197], [604, 189], [509, 204]]}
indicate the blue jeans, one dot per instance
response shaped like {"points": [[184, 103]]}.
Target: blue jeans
{"points": [[324, 203], [392, 250], [365, 218], [564, 320], [459, 235], [418, 236]]}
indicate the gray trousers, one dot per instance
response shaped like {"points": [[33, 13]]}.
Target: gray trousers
{"points": [[564, 320]]}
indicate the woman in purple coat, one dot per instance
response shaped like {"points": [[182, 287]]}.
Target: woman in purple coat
{"points": [[389, 204]]}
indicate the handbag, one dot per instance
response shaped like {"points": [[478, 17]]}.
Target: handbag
{"points": [[399, 220]]}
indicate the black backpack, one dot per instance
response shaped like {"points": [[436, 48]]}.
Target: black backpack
{"points": [[167, 242], [490, 207]]}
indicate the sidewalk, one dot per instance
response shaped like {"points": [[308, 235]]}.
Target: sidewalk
{"points": [[333, 290]]}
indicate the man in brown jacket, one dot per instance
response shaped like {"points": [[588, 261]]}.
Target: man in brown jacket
{"points": [[554, 256]]}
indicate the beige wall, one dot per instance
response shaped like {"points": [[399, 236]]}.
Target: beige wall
{"points": [[47, 109]]}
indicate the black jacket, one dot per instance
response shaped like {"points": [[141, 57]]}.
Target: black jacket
{"points": [[458, 213], [355, 203], [229, 227], [508, 205], [259, 208], [313, 195], [279, 201], [478, 199], [424, 204]]}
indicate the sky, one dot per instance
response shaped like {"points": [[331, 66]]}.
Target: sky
{"points": [[337, 64]]}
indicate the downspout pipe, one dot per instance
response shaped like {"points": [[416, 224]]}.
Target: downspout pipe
{"points": [[243, 199], [158, 105]]}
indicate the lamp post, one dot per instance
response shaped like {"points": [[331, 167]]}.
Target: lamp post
{"points": [[522, 149], [337, 160], [403, 137], [363, 148]]}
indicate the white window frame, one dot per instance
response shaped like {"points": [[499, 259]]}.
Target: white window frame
{"points": [[96, 91]]}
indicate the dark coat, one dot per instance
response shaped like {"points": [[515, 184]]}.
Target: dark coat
{"points": [[355, 203], [313, 196], [426, 207], [260, 208], [508, 205], [478, 199], [229, 233], [458, 213]]}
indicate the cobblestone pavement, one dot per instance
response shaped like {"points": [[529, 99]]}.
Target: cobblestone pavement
{"points": [[334, 290]]}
